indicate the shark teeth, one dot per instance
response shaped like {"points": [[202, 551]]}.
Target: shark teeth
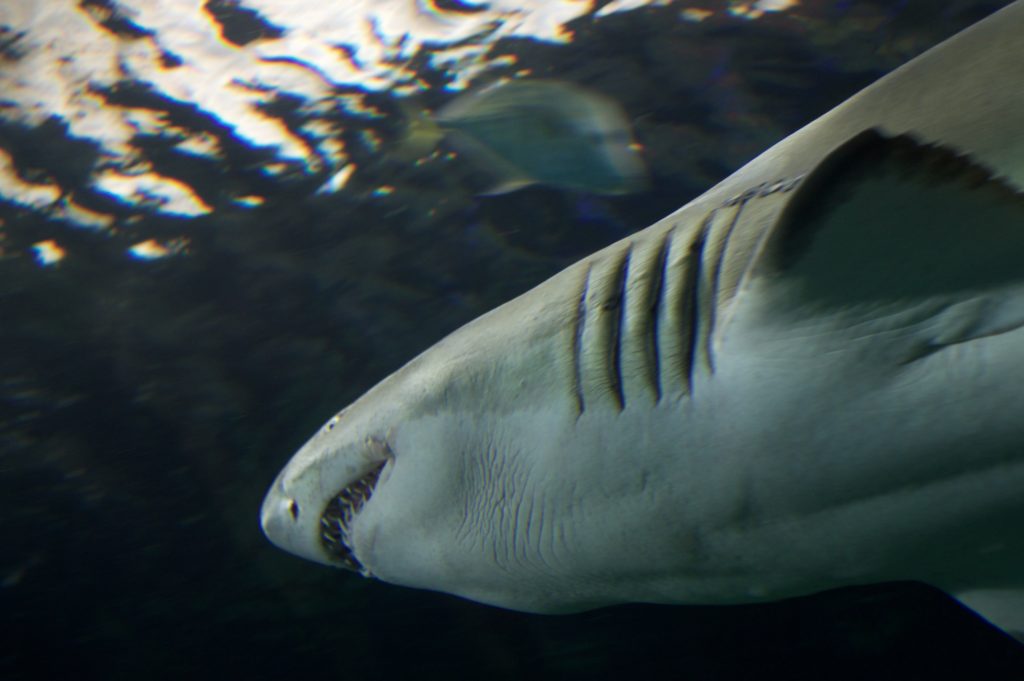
{"points": [[337, 516]]}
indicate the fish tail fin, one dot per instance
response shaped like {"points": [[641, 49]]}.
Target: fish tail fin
{"points": [[421, 134]]}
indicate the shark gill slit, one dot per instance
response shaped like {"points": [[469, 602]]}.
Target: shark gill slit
{"points": [[577, 348], [657, 294], [716, 278], [616, 304], [692, 300]]}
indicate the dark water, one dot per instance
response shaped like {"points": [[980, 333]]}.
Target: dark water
{"points": [[146, 406]]}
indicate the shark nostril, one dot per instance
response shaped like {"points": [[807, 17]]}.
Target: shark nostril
{"points": [[293, 508]]}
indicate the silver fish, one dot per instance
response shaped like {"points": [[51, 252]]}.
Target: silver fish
{"points": [[525, 132]]}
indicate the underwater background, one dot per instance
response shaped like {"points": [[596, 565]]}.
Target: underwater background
{"points": [[209, 244]]}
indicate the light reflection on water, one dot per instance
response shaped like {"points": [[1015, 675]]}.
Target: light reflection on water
{"points": [[283, 78]]}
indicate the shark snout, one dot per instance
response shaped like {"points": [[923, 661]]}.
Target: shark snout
{"points": [[287, 524], [278, 517]]}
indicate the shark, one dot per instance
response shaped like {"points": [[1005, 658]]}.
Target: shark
{"points": [[809, 377]]}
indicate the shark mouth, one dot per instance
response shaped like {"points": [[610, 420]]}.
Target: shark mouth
{"points": [[335, 520]]}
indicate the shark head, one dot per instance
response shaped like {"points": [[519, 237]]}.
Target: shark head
{"points": [[361, 495], [311, 507], [469, 471]]}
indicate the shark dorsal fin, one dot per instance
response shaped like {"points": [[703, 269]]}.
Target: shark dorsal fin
{"points": [[893, 218]]}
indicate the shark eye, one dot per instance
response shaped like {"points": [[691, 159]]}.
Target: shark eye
{"points": [[293, 508]]}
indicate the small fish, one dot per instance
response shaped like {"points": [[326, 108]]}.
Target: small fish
{"points": [[525, 132]]}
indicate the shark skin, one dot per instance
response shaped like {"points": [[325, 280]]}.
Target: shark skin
{"points": [[807, 378]]}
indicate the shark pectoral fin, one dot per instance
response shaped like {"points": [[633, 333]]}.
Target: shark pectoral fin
{"points": [[1003, 608], [889, 218]]}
